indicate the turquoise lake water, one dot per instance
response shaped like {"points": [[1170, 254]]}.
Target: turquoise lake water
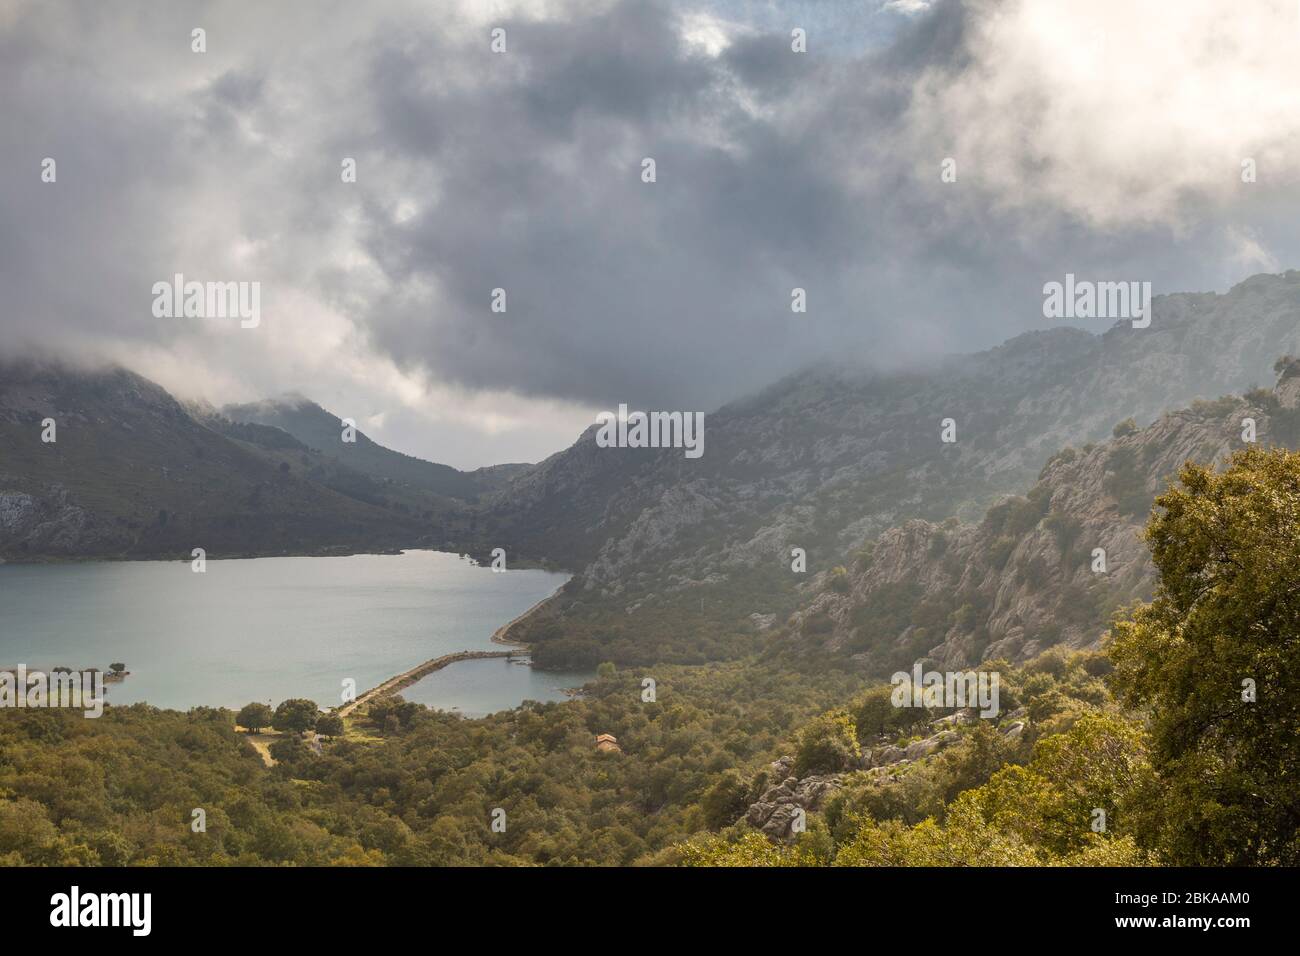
{"points": [[270, 628]]}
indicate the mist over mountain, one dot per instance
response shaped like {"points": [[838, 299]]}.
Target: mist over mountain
{"points": [[822, 460], [776, 170], [130, 471], [318, 429]]}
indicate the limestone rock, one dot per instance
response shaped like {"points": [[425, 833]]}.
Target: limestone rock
{"points": [[776, 810]]}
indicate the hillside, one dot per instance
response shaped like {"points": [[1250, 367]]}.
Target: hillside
{"points": [[318, 429], [667, 547], [1022, 578], [133, 473], [717, 769], [1152, 748], [676, 558]]}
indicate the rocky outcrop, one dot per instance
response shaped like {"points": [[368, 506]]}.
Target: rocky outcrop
{"points": [[775, 812], [49, 523], [887, 755]]}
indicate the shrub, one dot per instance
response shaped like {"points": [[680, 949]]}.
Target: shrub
{"points": [[829, 744]]}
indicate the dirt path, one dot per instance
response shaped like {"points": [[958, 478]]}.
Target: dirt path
{"points": [[262, 744]]}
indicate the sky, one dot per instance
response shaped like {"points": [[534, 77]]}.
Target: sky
{"points": [[1104, 138]]}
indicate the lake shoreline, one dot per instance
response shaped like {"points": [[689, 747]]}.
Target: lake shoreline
{"points": [[501, 634], [331, 551]]}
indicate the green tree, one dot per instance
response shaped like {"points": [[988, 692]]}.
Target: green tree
{"points": [[1051, 803], [254, 716], [1225, 619], [828, 744], [873, 713], [295, 715], [725, 802], [752, 849], [329, 725], [966, 840]]}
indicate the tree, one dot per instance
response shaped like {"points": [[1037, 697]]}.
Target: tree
{"points": [[966, 840], [1051, 803], [874, 714], [828, 744], [117, 668], [725, 802], [295, 715], [254, 716], [392, 714], [751, 849], [1215, 660], [329, 725]]}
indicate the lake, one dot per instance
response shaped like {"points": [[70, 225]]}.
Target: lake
{"points": [[264, 629]]}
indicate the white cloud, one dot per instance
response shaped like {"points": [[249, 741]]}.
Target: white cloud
{"points": [[1118, 111], [908, 7], [707, 33], [1085, 133], [1248, 253]]}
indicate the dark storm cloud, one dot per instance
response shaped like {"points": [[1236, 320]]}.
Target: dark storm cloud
{"points": [[618, 288], [775, 170], [522, 171]]}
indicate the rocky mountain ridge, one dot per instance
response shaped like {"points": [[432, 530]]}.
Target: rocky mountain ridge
{"points": [[1039, 570], [829, 458]]}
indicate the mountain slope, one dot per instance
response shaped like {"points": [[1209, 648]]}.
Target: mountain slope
{"points": [[320, 430], [667, 546], [1026, 577], [133, 473]]}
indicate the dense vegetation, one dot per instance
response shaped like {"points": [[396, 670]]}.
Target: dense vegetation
{"points": [[407, 785], [1149, 751], [991, 800], [1186, 752], [1214, 660]]}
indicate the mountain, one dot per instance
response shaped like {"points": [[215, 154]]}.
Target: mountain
{"points": [[132, 472], [675, 557], [1026, 576], [318, 429]]}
